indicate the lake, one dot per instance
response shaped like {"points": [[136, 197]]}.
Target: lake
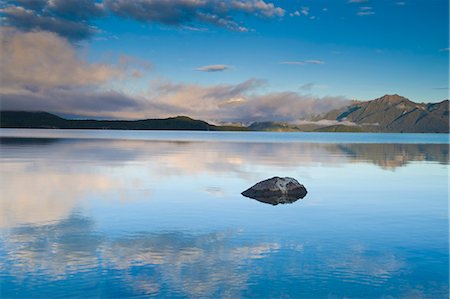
{"points": [[101, 214]]}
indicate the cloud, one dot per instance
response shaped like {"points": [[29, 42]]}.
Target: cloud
{"points": [[357, 1], [68, 18], [213, 68], [293, 62], [325, 123], [444, 49], [286, 106], [86, 102], [365, 11], [239, 102], [226, 102], [40, 60], [303, 62], [186, 12], [43, 71], [400, 3], [20, 205], [258, 7], [73, 19], [305, 11], [314, 61], [307, 86], [126, 61]]}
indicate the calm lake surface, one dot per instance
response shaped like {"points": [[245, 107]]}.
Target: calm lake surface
{"points": [[120, 214]]}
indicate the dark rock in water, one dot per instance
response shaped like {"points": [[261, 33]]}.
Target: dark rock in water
{"points": [[276, 190]]}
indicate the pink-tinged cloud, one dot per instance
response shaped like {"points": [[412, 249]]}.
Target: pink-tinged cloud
{"points": [[43, 60], [42, 71]]}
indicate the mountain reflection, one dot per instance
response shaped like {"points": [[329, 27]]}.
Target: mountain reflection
{"points": [[115, 218], [43, 180], [391, 156], [222, 154]]}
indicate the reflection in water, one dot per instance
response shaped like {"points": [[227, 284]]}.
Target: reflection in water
{"points": [[76, 168], [174, 152], [275, 200], [194, 265], [391, 156], [217, 264], [116, 218], [39, 193]]}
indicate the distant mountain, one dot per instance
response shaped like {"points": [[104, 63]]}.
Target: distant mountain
{"points": [[45, 120], [270, 126], [394, 113], [390, 113]]}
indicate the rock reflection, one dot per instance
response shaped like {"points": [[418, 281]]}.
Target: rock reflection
{"points": [[275, 200], [43, 180]]}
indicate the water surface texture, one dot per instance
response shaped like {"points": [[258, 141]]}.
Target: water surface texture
{"points": [[138, 214]]}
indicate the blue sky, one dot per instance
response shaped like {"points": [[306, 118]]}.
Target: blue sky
{"points": [[158, 55]]}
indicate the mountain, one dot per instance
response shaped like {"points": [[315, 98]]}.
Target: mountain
{"points": [[269, 126], [45, 120], [394, 113], [390, 113]]}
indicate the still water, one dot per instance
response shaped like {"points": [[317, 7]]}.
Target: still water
{"points": [[92, 214]]}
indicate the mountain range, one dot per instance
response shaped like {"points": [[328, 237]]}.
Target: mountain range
{"points": [[390, 113], [394, 113]]}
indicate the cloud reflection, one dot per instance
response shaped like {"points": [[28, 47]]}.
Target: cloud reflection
{"points": [[195, 265], [34, 192], [44, 180]]}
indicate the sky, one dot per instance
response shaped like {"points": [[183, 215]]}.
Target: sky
{"points": [[225, 61]]}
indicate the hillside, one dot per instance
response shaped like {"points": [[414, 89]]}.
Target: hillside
{"points": [[394, 113], [390, 113], [44, 120]]}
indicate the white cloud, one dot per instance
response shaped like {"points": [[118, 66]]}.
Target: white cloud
{"points": [[188, 12], [303, 62], [315, 61], [213, 68], [365, 13], [293, 62], [305, 11], [324, 123], [357, 1]]}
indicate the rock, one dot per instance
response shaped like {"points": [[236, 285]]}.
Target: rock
{"points": [[276, 190]]}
